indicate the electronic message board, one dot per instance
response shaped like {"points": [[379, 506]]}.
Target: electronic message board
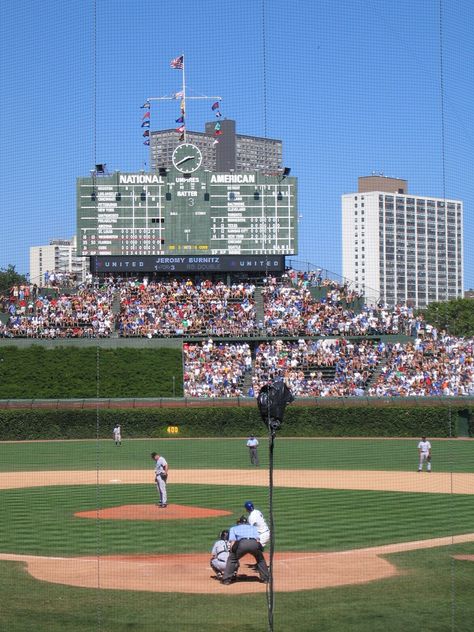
{"points": [[197, 213]]}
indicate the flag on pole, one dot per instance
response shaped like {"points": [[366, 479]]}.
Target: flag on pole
{"points": [[146, 132], [180, 119], [215, 106], [183, 106], [218, 132], [181, 137], [146, 115], [177, 95], [218, 113], [146, 104], [215, 141], [217, 125], [180, 129], [177, 62], [146, 142], [146, 124]]}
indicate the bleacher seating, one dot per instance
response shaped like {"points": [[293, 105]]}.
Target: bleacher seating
{"points": [[313, 332]]}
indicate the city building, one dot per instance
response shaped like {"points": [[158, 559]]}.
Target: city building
{"points": [[401, 248], [58, 257], [227, 152]]}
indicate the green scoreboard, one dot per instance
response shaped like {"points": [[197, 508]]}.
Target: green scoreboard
{"points": [[197, 212]]}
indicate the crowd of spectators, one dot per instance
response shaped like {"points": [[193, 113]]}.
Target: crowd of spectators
{"points": [[186, 308], [215, 369], [429, 366], [332, 364], [335, 367], [318, 368], [183, 307], [292, 311], [87, 314]]}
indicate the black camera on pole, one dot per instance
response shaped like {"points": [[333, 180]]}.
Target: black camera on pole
{"points": [[272, 400]]}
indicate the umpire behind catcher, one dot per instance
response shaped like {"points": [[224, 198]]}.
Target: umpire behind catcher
{"points": [[243, 539]]}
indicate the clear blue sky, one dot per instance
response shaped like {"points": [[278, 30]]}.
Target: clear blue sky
{"points": [[352, 86]]}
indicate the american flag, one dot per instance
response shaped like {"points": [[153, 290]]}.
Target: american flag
{"points": [[177, 62]]}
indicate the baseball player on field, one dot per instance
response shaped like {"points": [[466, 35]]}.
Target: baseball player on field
{"points": [[424, 454], [256, 519], [117, 432], [161, 476], [220, 552]]}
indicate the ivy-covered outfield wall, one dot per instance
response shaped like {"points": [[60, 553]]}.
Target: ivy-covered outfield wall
{"points": [[344, 421]]}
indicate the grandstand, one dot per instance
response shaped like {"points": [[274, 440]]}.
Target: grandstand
{"points": [[239, 333]]}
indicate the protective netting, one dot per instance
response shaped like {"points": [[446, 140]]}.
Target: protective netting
{"points": [[219, 199]]}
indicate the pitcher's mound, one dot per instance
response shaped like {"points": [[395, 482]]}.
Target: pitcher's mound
{"points": [[152, 512]]}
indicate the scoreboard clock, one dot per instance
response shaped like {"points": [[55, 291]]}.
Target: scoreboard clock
{"points": [[187, 211], [187, 158]]}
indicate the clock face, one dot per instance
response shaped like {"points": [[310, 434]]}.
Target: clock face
{"points": [[187, 158]]}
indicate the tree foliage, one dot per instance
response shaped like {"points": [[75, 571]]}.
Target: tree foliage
{"points": [[456, 316], [10, 277]]}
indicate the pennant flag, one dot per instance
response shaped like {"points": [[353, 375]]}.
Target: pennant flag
{"points": [[215, 106], [180, 119], [146, 124], [146, 104], [180, 129], [146, 132], [146, 115], [177, 95], [217, 125], [146, 142], [177, 62], [218, 113], [218, 132], [216, 141], [181, 137], [183, 105]]}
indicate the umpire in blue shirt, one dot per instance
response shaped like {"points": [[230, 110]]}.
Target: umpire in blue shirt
{"points": [[243, 539]]}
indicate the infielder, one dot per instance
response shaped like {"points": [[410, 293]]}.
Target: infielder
{"points": [[220, 552], [424, 454], [117, 432], [161, 476], [256, 519]]}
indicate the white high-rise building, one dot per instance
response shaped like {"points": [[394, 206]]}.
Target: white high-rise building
{"points": [[401, 248], [60, 257]]}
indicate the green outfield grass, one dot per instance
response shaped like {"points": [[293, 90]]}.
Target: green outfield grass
{"points": [[40, 521], [449, 455]]}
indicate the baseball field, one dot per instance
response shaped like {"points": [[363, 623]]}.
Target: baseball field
{"points": [[362, 540]]}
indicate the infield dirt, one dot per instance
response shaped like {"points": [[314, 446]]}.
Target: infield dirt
{"points": [[190, 573]]}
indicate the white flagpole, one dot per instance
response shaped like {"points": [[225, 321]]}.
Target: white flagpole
{"points": [[184, 102]]}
